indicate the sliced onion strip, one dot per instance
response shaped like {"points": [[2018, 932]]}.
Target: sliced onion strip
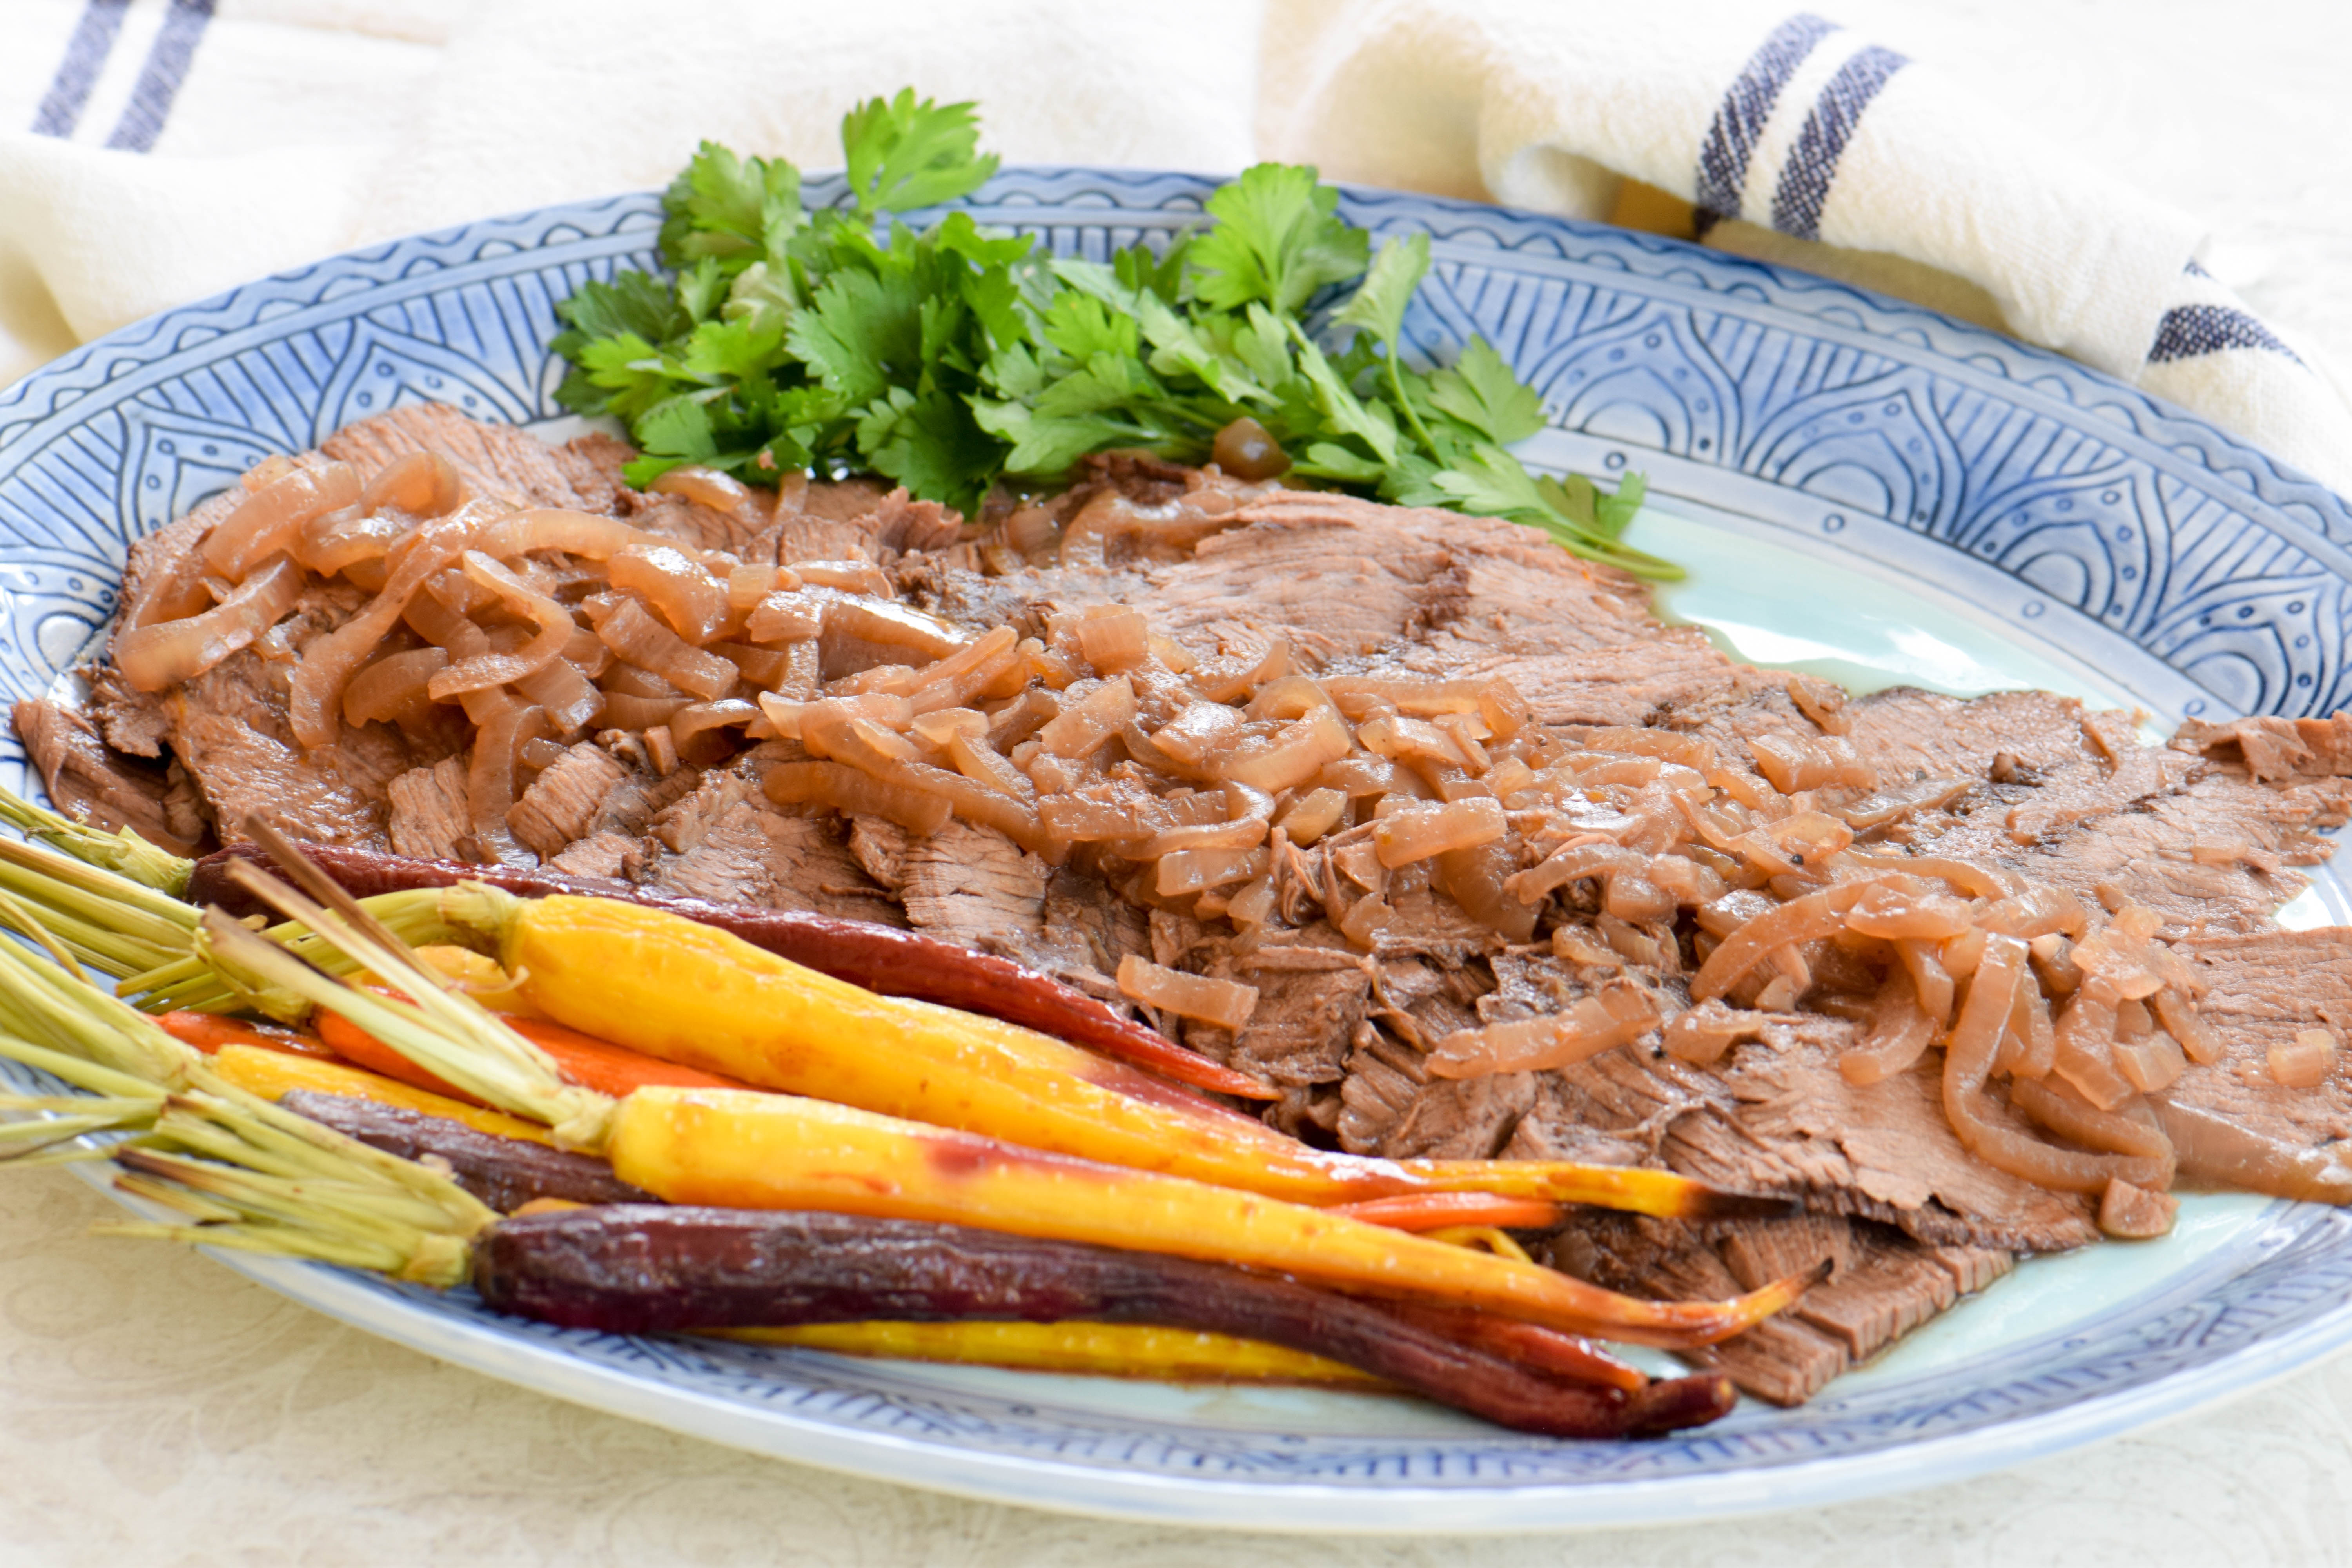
{"points": [[490, 781], [393, 687], [271, 518], [1224, 1002], [168, 652]]}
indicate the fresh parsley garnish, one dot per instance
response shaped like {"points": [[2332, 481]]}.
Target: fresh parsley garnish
{"points": [[952, 359]]}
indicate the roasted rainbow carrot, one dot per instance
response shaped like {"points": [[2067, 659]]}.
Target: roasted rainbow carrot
{"points": [[691, 993]]}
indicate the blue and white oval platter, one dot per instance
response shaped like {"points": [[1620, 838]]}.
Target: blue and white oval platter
{"points": [[1860, 487]]}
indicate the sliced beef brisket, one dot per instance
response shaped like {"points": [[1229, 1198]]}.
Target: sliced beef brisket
{"points": [[1880, 1285]]}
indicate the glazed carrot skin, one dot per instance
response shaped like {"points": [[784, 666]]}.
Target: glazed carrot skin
{"points": [[354, 1043], [208, 1032], [780, 1151], [1090, 1349], [691, 993], [606, 1068], [637, 1270], [883, 959], [274, 1074], [1437, 1211], [504, 1172]]}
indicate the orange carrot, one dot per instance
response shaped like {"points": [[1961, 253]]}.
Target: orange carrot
{"points": [[355, 1043], [606, 1068], [208, 1032], [1435, 1211]]}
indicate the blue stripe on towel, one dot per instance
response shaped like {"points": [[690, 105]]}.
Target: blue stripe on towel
{"points": [[1739, 118], [2189, 331], [1821, 143], [86, 51], [160, 77]]}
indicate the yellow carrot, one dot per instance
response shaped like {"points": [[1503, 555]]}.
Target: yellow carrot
{"points": [[1098, 1349], [694, 994], [273, 1074], [747, 1150]]}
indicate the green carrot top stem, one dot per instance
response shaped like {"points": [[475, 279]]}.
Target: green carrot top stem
{"points": [[124, 852]]}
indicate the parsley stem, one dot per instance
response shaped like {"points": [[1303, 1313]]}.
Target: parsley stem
{"points": [[1412, 418]]}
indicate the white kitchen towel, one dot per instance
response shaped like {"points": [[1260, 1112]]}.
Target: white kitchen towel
{"points": [[153, 152]]}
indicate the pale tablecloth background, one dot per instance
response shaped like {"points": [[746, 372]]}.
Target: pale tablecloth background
{"points": [[156, 1409]]}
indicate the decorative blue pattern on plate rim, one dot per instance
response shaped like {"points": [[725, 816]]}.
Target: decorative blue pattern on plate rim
{"points": [[2121, 531]]}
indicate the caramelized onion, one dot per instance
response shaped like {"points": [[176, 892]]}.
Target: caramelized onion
{"points": [[490, 781], [621, 711], [335, 542], [2181, 1020], [1393, 736], [765, 668], [680, 591], [1196, 871], [695, 726], [1598, 1023], [553, 621], [2039, 910], [1113, 639], [966, 673], [976, 760], [1897, 1037], [1225, 679], [2151, 1063], [1701, 1034], [579, 533], [860, 633], [704, 487], [1418, 832], [635, 638], [1572, 862], [2085, 1053], [1313, 815], [2304, 1062], [1224, 1002], [845, 789], [1246, 834], [1968, 1060], [1198, 730], [747, 586], [1081, 728], [1897, 915], [1476, 877], [1793, 763], [1287, 758], [393, 687], [1805, 918], [572, 701], [271, 518], [1970, 876], [2148, 1158], [2213, 1151], [422, 484], [328, 663], [154, 657], [850, 577]]}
